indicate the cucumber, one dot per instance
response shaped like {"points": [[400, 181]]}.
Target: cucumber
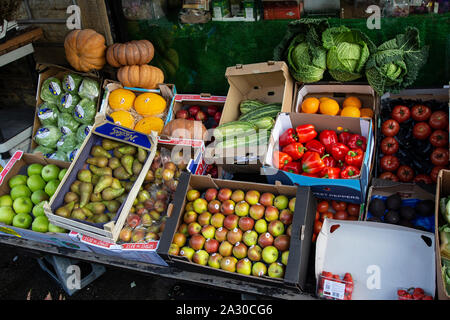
{"points": [[265, 123], [267, 111], [234, 128], [249, 105], [246, 141]]}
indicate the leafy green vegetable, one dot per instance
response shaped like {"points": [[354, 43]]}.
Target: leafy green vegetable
{"points": [[83, 132], [396, 63], [48, 114], [71, 82], [51, 90], [68, 102], [84, 112], [66, 143], [446, 274], [44, 150], [348, 51], [47, 136], [72, 154], [58, 155], [67, 124], [89, 89]]}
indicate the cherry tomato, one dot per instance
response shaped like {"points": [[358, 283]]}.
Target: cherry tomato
{"points": [[423, 178], [405, 173], [438, 120], [322, 206], [388, 176], [389, 145], [421, 130], [420, 112], [439, 138], [390, 128], [339, 205], [439, 157], [317, 215], [389, 163], [327, 214], [317, 226], [401, 113], [353, 209], [341, 215], [434, 172]]}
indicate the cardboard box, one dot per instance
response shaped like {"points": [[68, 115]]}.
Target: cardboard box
{"points": [[167, 91], [302, 225], [410, 193], [349, 190], [105, 231], [18, 165], [381, 258], [269, 82], [442, 190], [46, 71]]}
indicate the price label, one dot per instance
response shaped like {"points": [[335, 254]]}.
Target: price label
{"points": [[333, 289]]}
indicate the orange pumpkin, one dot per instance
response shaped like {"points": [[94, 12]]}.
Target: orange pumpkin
{"points": [[143, 76], [85, 50], [130, 53]]}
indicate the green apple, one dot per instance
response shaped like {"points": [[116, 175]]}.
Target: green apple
{"points": [[38, 210], [40, 224], [39, 196], [17, 180], [6, 215], [20, 191], [22, 205], [6, 201], [51, 187], [35, 168], [61, 174], [22, 220], [35, 182], [56, 229], [50, 172]]}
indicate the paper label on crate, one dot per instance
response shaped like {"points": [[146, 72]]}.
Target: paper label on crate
{"points": [[197, 97], [17, 156], [10, 231], [334, 289], [99, 243], [141, 246], [183, 142], [127, 135]]}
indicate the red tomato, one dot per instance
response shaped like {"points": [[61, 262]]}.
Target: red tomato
{"points": [[401, 113], [353, 209], [389, 163], [439, 120], [439, 138], [341, 215], [405, 173], [434, 172], [339, 205], [421, 130], [423, 178], [327, 214], [390, 128], [389, 145], [420, 112], [322, 206], [388, 176], [317, 226], [439, 157]]}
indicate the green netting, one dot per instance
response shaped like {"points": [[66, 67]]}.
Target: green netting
{"points": [[195, 57]]}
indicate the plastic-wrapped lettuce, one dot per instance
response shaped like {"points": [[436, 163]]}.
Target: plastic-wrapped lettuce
{"points": [[72, 154], [85, 111], [71, 82], [58, 155], [51, 90], [68, 102], [44, 150], [47, 136], [67, 142], [89, 89], [82, 132], [67, 124], [48, 114]]}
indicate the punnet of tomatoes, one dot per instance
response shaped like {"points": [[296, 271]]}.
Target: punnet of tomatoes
{"points": [[412, 140], [413, 294], [326, 289]]}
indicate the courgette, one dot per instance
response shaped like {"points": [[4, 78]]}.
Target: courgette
{"points": [[249, 105], [271, 110], [234, 128]]}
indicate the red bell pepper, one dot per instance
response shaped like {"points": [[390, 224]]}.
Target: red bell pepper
{"points": [[312, 162], [357, 142], [316, 146], [330, 173], [306, 132], [280, 159], [295, 150], [349, 172], [288, 137], [293, 167], [329, 161], [355, 158], [345, 136], [338, 151], [328, 138], [312, 175]]}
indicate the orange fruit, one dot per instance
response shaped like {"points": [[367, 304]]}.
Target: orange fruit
{"points": [[149, 104], [123, 118], [121, 99], [310, 105], [148, 124], [351, 112], [352, 102], [366, 113], [323, 99], [329, 106]]}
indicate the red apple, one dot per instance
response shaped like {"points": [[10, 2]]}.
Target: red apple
{"points": [[204, 218], [182, 114], [289, 230], [208, 231], [227, 207], [225, 249], [240, 250], [189, 217], [174, 250], [242, 208], [179, 239], [286, 216], [250, 237], [200, 257], [224, 194], [125, 234], [231, 222], [214, 260], [211, 245], [133, 220], [192, 195], [271, 213], [252, 197], [217, 116], [265, 240], [221, 234], [238, 196], [217, 220], [183, 228], [191, 118], [197, 241], [211, 110], [194, 228], [193, 110], [246, 223], [211, 194], [254, 253], [228, 264], [201, 116], [256, 211], [234, 236], [282, 242], [266, 199], [214, 206], [276, 228]]}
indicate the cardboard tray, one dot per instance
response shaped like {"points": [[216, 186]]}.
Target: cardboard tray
{"points": [[349, 190], [105, 231], [49, 70], [302, 225]]}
